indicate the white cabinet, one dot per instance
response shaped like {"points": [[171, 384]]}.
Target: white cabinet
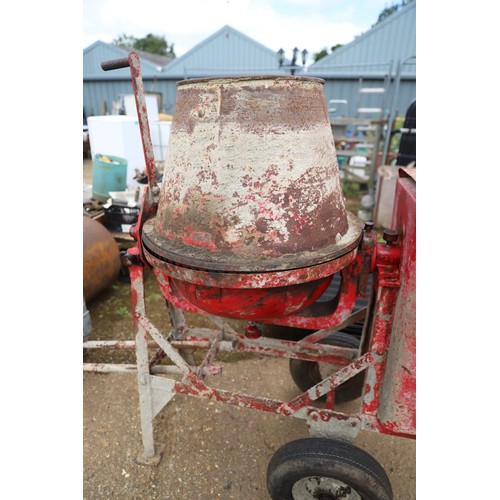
{"points": [[119, 135]]}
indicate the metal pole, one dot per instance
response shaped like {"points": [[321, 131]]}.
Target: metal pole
{"points": [[378, 135], [390, 123]]}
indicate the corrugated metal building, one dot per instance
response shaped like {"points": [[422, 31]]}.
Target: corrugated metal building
{"points": [[226, 52], [375, 57], [230, 52], [103, 88]]}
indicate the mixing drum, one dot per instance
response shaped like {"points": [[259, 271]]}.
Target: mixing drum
{"points": [[251, 221]]}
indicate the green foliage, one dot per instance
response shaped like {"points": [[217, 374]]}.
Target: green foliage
{"points": [[383, 15], [350, 189], [324, 52], [396, 138], [122, 311], [153, 44], [390, 10], [319, 55], [154, 297], [125, 42]]}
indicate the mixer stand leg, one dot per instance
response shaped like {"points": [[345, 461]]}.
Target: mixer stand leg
{"points": [[151, 453]]}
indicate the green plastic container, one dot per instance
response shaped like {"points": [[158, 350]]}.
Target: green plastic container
{"points": [[108, 176]]}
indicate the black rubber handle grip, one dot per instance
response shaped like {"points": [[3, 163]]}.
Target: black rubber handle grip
{"points": [[115, 64]]}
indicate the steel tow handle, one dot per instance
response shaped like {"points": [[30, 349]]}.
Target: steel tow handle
{"points": [[133, 62], [115, 64]]}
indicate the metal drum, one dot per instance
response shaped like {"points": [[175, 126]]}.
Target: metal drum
{"points": [[101, 258], [251, 196]]}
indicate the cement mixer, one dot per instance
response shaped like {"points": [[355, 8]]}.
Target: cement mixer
{"points": [[250, 223]]}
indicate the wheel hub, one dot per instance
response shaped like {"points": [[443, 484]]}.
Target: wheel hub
{"points": [[323, 488]]}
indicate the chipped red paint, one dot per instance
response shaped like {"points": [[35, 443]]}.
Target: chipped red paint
{"points": [[253, 296], [371, 423], [193, 271], [242, 193], [334, 380], [140, 100], [386, 286], [149, 203], [326, 415], [397, 411], [223, 396], [227, 230], [253, 331], [251, 304], [326, 316], [369, 243], [386, 283], [296, 350], [390, 386], [333, 313], [177, 301], [136, 280], [257, 279]]}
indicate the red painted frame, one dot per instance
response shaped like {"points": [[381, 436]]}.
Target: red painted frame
{"points": [[389, 393]]}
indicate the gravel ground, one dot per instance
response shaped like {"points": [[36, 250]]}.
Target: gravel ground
{"points": [[212, 450]]}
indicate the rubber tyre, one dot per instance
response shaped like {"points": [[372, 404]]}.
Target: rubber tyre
{"points": [[326, 458], [306, 374], [284, 332]]}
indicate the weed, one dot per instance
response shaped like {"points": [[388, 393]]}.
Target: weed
{"points": [[122, 311]]}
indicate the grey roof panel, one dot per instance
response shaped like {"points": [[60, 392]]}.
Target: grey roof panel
{"points": [[391, 40], [99, 51], [226, 51]]}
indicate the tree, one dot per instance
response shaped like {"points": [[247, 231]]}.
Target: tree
{"points": [[324, 52], [383, 15], [124, 41], [390, 10], [319, 55], [153, 44]]}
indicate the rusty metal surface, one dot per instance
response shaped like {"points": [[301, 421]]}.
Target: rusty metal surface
{"points": [[243, 78], [337, 310], [398, 393], [134, 63], [251, 303], [330, 314], [250, 220], [101, 258], [193, 385], [188, 256], [251, 181], [261, 279], [334, 380], [140, 102], [386, 289]]}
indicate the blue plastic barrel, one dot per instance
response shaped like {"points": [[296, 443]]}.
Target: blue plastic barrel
{"points": [[108, 176]]}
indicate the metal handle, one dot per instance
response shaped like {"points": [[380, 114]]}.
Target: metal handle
{"points": [[133, 62], [115, 64]]}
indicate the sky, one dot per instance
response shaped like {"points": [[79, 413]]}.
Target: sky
{"points": [[305, 24]]}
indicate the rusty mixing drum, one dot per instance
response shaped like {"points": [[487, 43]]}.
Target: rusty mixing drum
{"points": [[251, 221]]}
